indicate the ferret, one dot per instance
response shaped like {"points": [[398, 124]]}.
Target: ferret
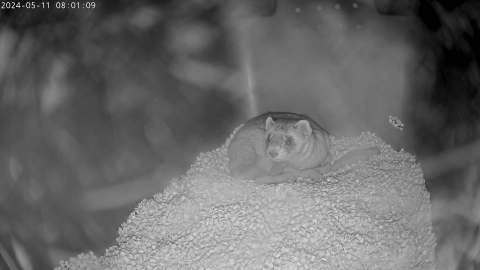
{"points": [[278, 147], [296, 140]]}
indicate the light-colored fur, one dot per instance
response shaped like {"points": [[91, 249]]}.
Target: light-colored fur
{"points": [[309, 148], [278, 147], [247, 152]]}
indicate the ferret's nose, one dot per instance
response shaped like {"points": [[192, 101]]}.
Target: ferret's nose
{"points": [[272, 153]]}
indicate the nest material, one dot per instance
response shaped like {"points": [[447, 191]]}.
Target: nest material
{"points": [[373, 215]]}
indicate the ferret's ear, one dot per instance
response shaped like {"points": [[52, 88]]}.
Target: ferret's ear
{"points": [[304, 128], [269, 123]]}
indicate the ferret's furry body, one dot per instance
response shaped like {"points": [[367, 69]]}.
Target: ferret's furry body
{"points": [[296, 140], [247, 152], [278, 147]]}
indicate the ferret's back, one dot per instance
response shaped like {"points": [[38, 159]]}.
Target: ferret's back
{"points": [[285, 118]]}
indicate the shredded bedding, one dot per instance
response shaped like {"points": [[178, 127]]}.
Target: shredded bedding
{"points": [[371, 215]]}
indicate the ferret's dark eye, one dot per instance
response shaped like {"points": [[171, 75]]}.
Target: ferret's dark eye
{"points": [[288, 141]]}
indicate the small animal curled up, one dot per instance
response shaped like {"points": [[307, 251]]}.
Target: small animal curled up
{"points": [[279, 147]]}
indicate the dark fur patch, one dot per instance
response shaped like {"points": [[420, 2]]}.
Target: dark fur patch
{"points": [[289, 142]]}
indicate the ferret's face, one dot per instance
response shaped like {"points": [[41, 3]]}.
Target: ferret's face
{"points": [[283, 144]]}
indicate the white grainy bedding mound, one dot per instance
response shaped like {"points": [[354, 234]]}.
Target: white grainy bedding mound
{"points": [[373, 215]]}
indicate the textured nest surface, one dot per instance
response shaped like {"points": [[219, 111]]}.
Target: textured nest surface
{"points": [[372, 215]]}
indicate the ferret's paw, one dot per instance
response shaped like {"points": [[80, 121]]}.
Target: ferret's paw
{"points": [[276, 169], [314, 173], [324, 169], [277, 179], [310, 174]]}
